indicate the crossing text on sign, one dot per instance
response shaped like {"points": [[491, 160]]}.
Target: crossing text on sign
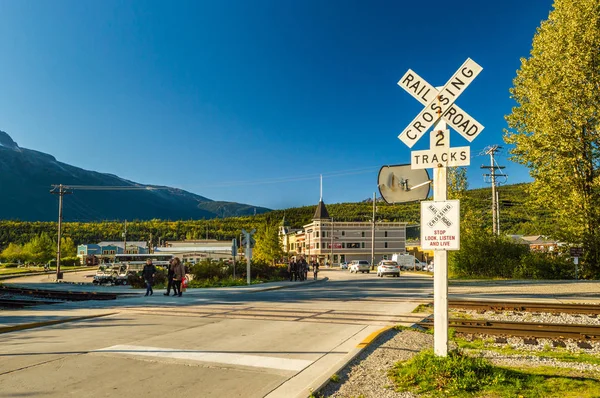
{"points": [[439, 215], [440, 103], [424, 92]]}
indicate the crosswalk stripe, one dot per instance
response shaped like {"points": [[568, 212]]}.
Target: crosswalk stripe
{"points": [[258, 361]]}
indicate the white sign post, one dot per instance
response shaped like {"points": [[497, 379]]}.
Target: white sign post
{"points": [[248, 242], [440, 218]]}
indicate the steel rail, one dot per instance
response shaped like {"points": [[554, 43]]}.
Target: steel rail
{"points": [[523, 329], [19, 303], [526, 307]]}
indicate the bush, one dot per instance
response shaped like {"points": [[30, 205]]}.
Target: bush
{"points": [[264, 271], [10, 265], [136, 281], [216, 271], [488, 256], [67, 261], [209, 269], [545, 266]]}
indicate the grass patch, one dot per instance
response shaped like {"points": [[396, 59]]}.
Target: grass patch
{"points": [[459, 375], [557, 353], [424, 308], [335, 378]]}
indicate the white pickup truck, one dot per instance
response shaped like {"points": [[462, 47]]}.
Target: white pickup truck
{"points": [[408, 262]]}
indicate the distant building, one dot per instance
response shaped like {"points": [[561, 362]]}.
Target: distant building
{"points": [[105, 251], [327, 240], [541, 243], [194, 251]]}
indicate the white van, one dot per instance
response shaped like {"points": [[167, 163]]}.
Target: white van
{"points": [[408, 262]]}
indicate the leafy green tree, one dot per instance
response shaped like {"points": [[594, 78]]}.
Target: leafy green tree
{"points": [[12, 253], [67, 247], [457, 182], [40, 249], [268, 245], [555, 124]]}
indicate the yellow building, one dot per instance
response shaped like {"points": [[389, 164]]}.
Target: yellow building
{"points": [[327, 240]]}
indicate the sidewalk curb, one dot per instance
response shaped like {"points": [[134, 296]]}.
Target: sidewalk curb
{"points": [[266, 289], [322, 381], [33, 325]]}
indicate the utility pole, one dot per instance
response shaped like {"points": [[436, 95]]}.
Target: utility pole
{"points": [[495, 205], [373, 234], [125, 238], [61, 192], [67, 189]]}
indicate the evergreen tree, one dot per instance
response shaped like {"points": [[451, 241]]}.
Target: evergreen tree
{"points": [[555, 126]]}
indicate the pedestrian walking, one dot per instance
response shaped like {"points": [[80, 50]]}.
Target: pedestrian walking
{"points": [[315, 268], [148, 274], [305, 269], [171, 279], [179, 274], [292, 269]]}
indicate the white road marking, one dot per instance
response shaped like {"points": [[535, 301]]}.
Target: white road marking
{"points": [[216, 357]]}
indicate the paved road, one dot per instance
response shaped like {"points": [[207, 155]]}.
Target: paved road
{"points": [[209, 343]]}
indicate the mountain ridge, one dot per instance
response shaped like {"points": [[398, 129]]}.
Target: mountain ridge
{"points": [[27, 175]]}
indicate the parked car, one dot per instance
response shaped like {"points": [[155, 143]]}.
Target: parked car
{"points": [[357, 266], [387, 267], [344, 265]]}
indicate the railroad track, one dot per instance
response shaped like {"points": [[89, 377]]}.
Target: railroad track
{"points": [[553, 308], [14, 303], [57, 294], [521, 329]]}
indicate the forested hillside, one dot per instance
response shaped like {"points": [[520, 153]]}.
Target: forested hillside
{"points": [[515, 218]]}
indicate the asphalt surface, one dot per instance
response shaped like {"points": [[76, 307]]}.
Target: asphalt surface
{"points": [[238, 342], [274, 340]]}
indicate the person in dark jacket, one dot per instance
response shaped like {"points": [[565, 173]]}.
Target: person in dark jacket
{"points": [[171, 279], [292, 269], [315, 268], [148, 275]]}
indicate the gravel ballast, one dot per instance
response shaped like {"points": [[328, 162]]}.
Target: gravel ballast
{"points": [[367, 375]]}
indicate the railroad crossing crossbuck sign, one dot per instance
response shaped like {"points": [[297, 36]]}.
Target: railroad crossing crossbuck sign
{"points": [[441, 103]]}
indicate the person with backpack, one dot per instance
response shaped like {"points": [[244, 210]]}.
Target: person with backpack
{"points": [[148, 274], [315, 268]]}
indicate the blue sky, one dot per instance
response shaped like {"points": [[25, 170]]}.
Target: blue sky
{"points": [[249, 101]]}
